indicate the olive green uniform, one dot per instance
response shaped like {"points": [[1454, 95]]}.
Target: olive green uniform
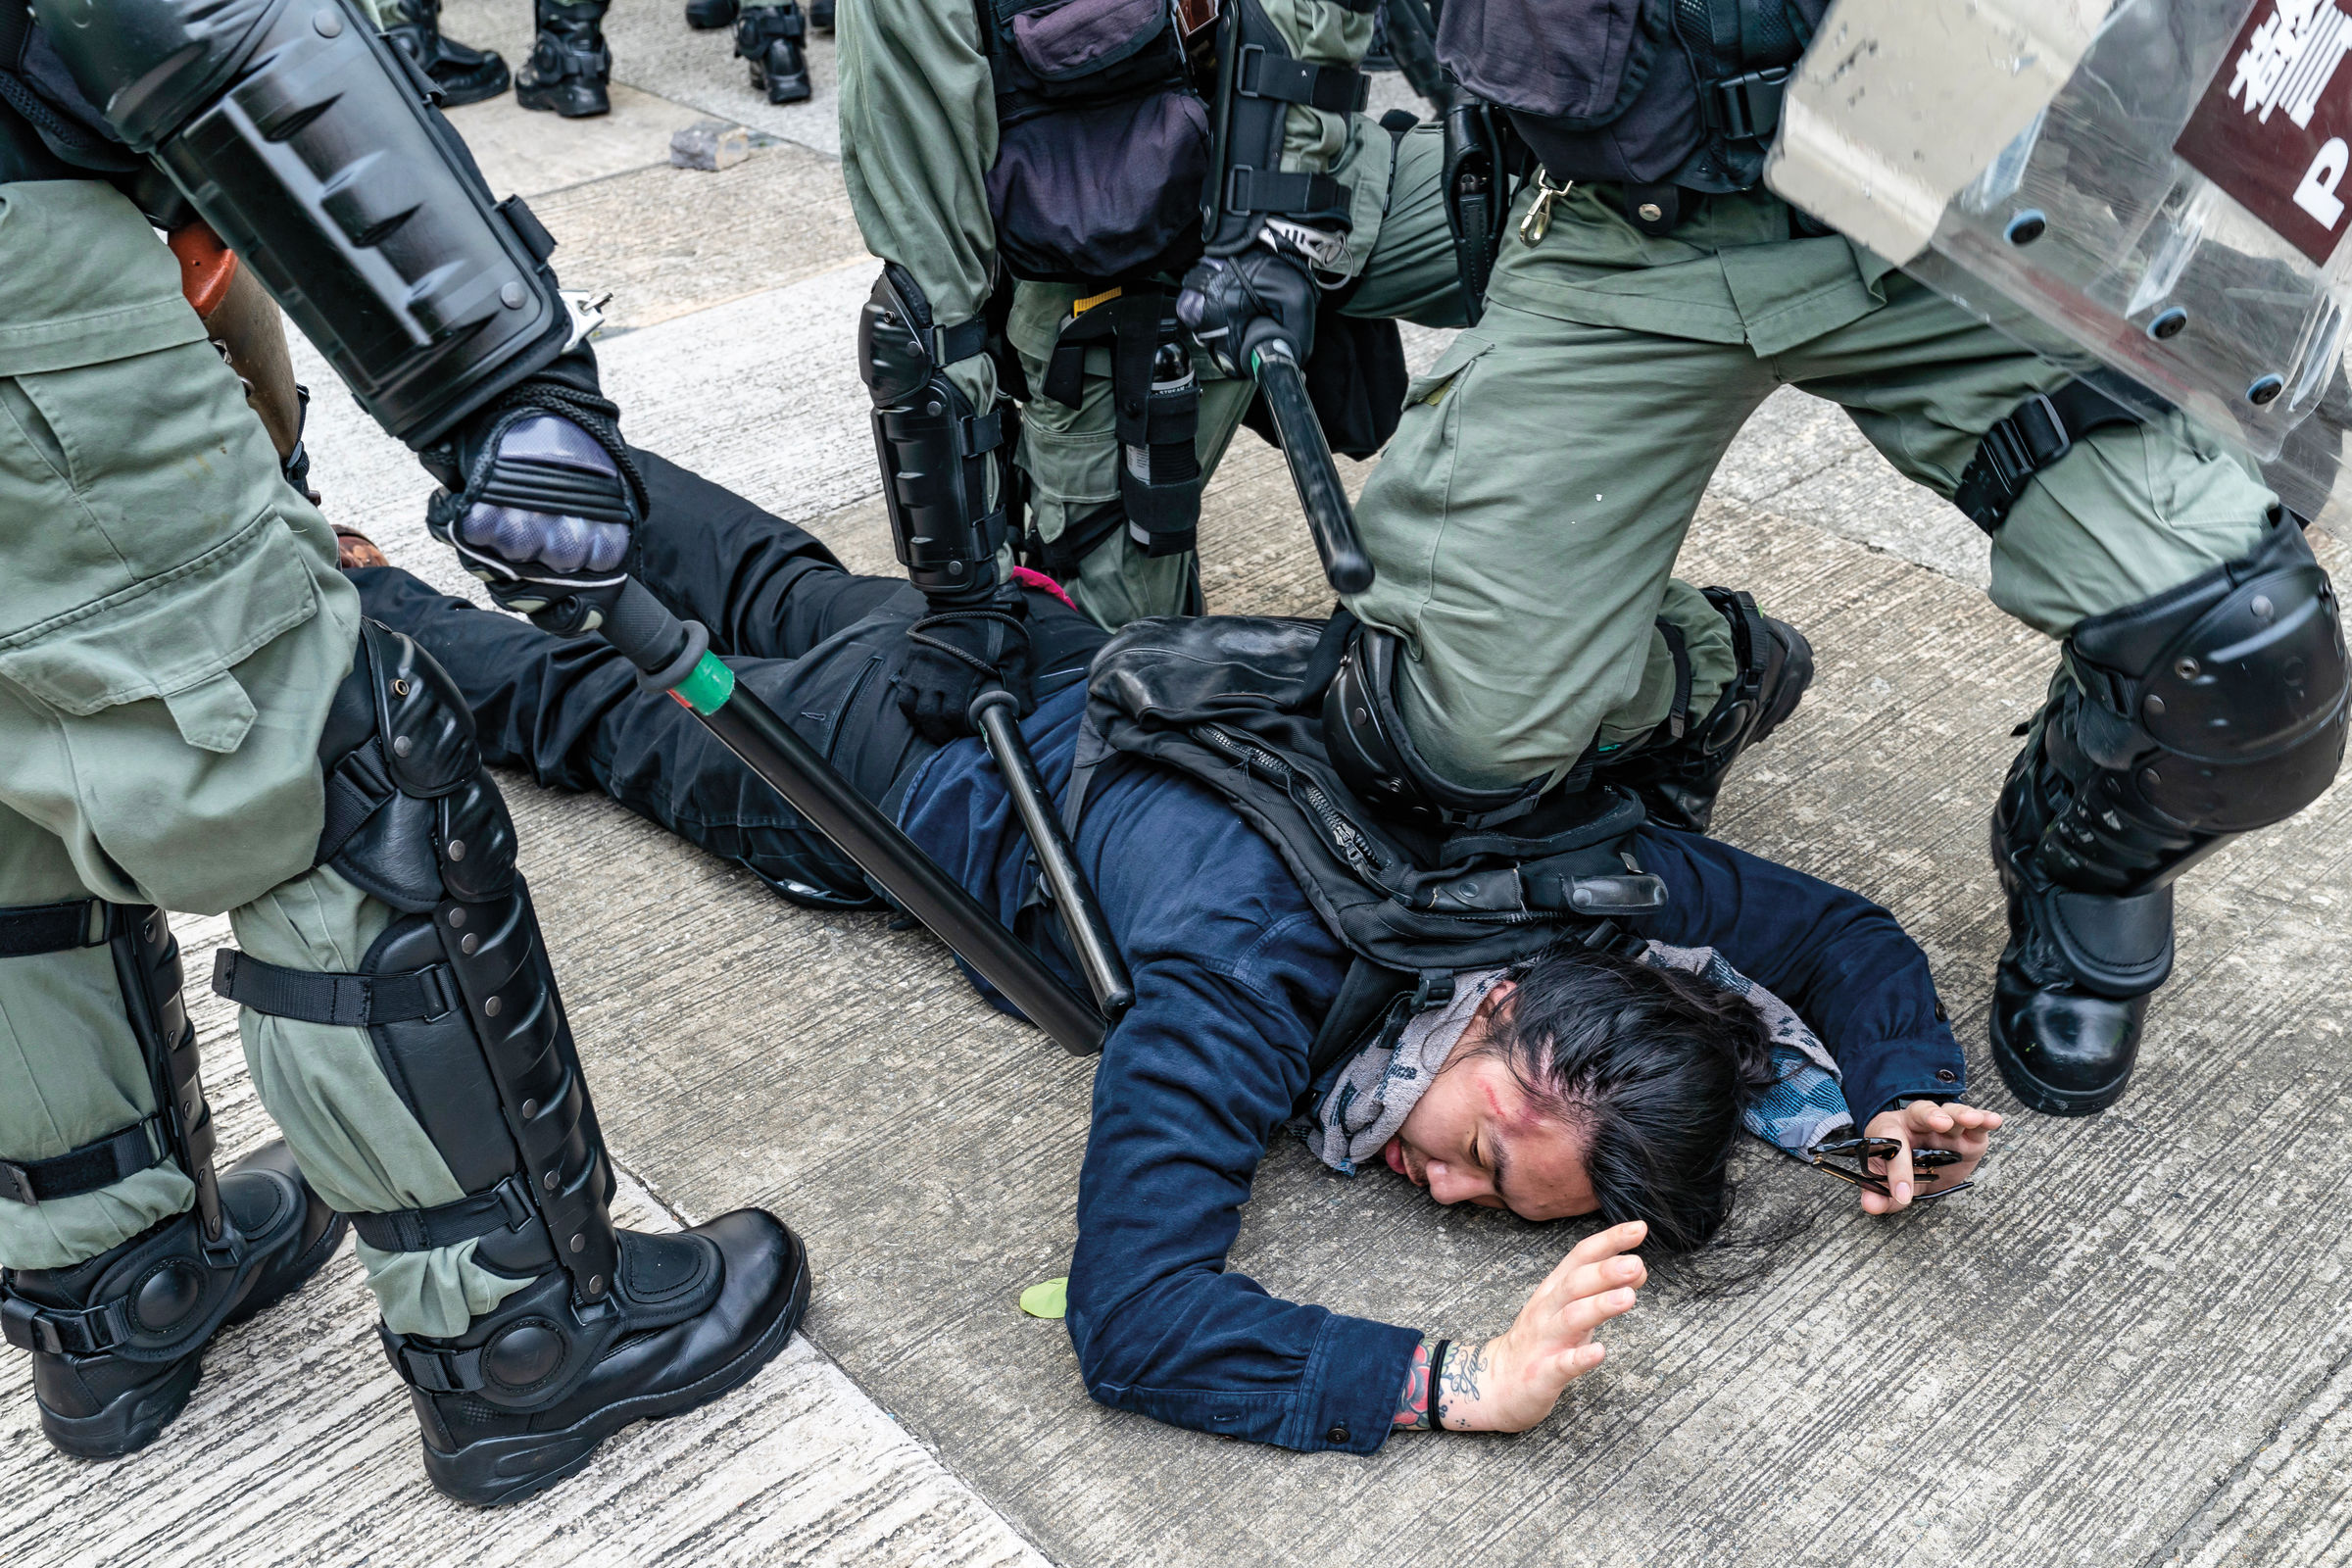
{"points": [[1525, 518], [172, 631]]}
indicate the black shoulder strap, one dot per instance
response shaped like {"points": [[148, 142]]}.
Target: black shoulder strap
{"points": [[1364, 999]]}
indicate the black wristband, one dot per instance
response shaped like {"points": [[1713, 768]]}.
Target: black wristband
{"points": [[1436, 1370]]}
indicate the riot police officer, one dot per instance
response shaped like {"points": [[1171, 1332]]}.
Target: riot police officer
{"points": [[1529, 510], [197, 718], [1065, 153]]}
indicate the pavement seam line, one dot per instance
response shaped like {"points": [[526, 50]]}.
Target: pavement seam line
{"points": [[980, 1499], [2183, 1538]]}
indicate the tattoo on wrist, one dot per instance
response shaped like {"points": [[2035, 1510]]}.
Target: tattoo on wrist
{"points": [[1457, 1384], [1412, 1406]]}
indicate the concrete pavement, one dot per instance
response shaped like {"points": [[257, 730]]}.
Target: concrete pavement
{"points": [[2127, 1348]]}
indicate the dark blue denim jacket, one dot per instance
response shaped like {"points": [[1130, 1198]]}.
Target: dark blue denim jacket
{"points": [[1232, 973]]}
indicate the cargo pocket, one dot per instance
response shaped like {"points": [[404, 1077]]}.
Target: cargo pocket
{"points": [[1406, 501], [174, 637], [1432, 384]]}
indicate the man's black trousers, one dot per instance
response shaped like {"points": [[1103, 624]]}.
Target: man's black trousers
{"points": [[819, 645]]}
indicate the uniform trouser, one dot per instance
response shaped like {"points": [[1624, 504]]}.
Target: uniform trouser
{"points": [[1525, 518], [819, 645], [1406, 271], [171, 629]]}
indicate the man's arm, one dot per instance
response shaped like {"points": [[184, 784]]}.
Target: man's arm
{"points": [[1231, 969], [1319, 32], [1193, 1083], [1845, 963], [918, 132], [314, 150]]}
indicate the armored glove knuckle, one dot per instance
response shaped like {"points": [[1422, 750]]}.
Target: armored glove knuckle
{"points": [[544, 495], [1235, 305]]}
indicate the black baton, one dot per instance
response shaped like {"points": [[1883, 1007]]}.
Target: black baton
{"points": [[1329, 516], [996, 715], [675, 657]]}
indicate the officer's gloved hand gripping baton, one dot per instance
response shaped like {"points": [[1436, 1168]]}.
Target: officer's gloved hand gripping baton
{"points": [[675, 657], [1321, 495]]}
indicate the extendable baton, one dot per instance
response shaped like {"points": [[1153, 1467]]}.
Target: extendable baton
{"points": [[675, 657], [996, 715], [1321, 495]]}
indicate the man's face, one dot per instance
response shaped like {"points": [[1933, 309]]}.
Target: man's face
{"points": [[1474, 1138]]}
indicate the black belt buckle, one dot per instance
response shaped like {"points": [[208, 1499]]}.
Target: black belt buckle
{"points": [[2024, 444], [16, 1184], [1748, 108]]}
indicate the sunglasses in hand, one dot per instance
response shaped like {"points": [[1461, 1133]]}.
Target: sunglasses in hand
{"points": [[1926, 1166]]}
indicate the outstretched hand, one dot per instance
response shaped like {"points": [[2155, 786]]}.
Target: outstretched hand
{"points": [[1965, 1130], [1511, 1382]]}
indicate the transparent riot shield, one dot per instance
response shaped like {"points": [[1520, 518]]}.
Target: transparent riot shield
{"points": [[2160, 183]]}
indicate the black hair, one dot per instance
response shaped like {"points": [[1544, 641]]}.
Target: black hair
{"points": [[1652, 1067]]}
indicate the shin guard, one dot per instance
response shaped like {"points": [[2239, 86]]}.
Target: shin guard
{"points": [[456, 993]]}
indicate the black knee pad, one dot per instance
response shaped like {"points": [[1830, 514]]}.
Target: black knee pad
{"points": [[2212, 709]]}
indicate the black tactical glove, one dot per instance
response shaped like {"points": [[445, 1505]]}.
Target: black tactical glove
{"points": [[1234, 304], [957, 652], [539, 495]]}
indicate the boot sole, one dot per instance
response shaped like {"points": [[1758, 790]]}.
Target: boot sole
{"points": [[129, 1425], [497, 1471], [2040, 1097], [544, 101], [457, 96]]}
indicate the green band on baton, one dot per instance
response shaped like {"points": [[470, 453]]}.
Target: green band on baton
{"points": [[706, 687]]}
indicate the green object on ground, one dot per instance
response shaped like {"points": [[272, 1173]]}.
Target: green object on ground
{"points": [[1051, 1298]]}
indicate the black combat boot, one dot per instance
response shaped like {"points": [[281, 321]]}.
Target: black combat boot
{"points": [[465, 74], [459, 1002], [2071, 993], [2180, 722], [569, 64], [820, 15], [118, 1342], [522, 1399], [770, 39], [708, 16], [1679, 769]]}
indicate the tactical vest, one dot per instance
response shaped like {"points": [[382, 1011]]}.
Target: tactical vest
{"points": [[1103, 140], [1236, 703], [1640, 93]]}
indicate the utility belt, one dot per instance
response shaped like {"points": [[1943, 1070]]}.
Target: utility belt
{"points": [[1236, 703], [1155, 409]]}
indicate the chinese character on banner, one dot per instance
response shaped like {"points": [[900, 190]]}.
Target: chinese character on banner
{"points": [[2273, 127], [2290, 58]]}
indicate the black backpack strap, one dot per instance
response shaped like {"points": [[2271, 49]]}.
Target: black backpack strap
{"points": [[1364, 999]]}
